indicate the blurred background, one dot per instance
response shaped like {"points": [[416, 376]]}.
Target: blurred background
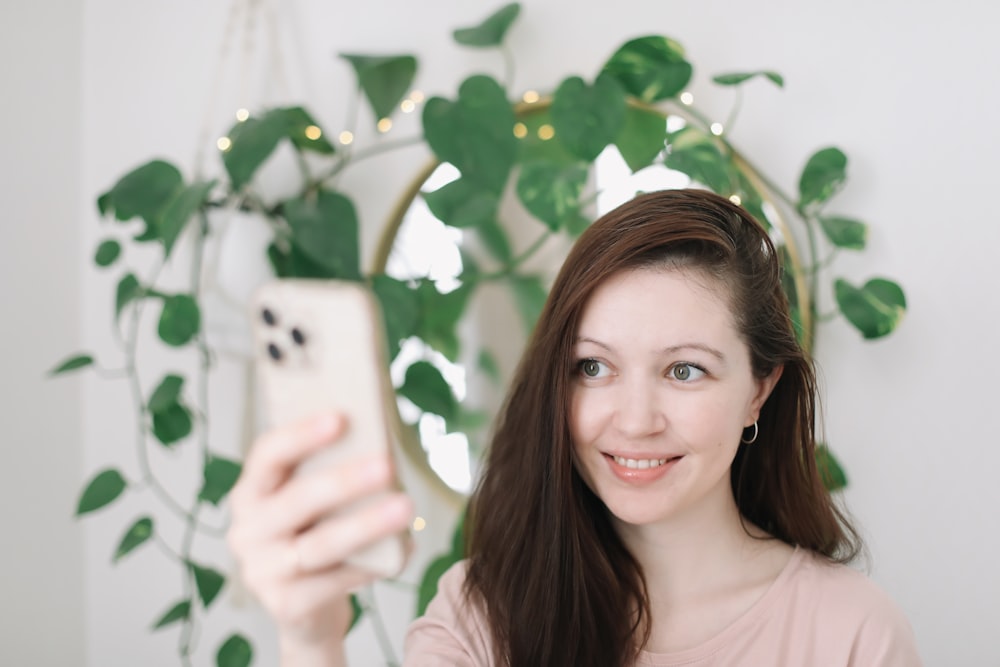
{"points": [[92, 88]]}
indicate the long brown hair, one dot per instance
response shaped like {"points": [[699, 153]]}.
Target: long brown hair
{"points": [[557, 584]]}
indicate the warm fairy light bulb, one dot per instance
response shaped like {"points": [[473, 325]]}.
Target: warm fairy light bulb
{"points": [[242, 114], [224, 144], [520, 130], [716, 129], [546, 132], [384, 125], [417, 96], [419, 524], [407, 106], [313, 132], [530, 96], [687, 98], [345, 137], [736, 200]]}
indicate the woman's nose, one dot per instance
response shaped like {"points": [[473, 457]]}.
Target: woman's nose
{"points": [[639, 411]]}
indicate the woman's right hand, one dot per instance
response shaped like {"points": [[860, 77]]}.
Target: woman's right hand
{"points": [[290, 552]]}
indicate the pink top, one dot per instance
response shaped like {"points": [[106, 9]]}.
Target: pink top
{"points": [[815, 614]]}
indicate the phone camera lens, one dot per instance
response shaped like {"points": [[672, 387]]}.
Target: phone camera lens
{"points": [[298, 337], [268, 316], [274, 351]]}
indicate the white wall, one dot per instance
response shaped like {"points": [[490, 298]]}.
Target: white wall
{"points": [[903, 88], [41, 569]]}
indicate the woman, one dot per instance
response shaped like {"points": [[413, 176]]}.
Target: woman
{"points": [[650, 495]]}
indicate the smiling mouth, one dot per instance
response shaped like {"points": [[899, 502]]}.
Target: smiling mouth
{"points": [[641, 464]]}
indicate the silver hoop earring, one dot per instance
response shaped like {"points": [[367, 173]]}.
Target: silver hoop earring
{"points": [[754, 438]]}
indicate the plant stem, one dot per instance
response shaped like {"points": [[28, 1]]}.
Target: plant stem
{"points": [[520, 259], [381, 634], [364, 154]]}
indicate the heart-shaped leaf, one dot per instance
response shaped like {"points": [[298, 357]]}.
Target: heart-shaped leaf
{"points": [[234, 652], [692, 152], [492, 30], [143, 193], [107, 253], [736, 78], [439, 316], [822, 177], [588, 118], [529, 295], [642, 138], [845, 232], [127, 291], [357, 611], [874, 309], [830, 471], [462, 204], [73, 363], [400, 310], [172, 424], [251, 142], [220, 476], [495, 240], [650, 68], [166, 393], [303, 131], [103, 488], [179, 612], [179, 210], [551, 192], [137, 534], [325, 229], [426, 388], [180, 320], [475, 133], [383, 79], [209, 583]]}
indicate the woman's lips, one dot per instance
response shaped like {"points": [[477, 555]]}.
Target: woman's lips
{"points": [[640, 470]]}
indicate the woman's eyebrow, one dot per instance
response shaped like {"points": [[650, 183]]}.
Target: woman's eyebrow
{"points": [[670, 349]]}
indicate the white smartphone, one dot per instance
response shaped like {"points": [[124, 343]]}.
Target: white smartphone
{"points": [[320, 347]]}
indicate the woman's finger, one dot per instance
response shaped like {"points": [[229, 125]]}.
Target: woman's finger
{"points": [[277, 453]]}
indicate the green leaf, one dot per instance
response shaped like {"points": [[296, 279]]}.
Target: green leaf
{"points": [[461, 203], [551, 192], [736, 78], [822, 177], [692, 152], [143, 193], [830, 470], [298, 122], [458, 536], [529, 295], [845, 232], [642, 138], [650, 68], [73, 363], [180, 320], [357, 611], [384, 79], [137, 534], [439, 316], [429, 582], [107, 253], [487, 363], [179, 211], [234, 652], [166, 394], [325, 229], [426, 388], [252, 142], [874, 309], [491, 31], [495, 240], [467, 421], [400, 310], [179, 612], [475, 133], [208, 582], [172, 424], [588, 118], [220, 476], [127, 291], [103, 488]]}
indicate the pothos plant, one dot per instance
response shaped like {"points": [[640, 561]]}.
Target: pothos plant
{"points": [[541, 152]]}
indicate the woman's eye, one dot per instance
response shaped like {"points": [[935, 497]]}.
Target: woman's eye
{"points": [[685, 372], [591, 368]]}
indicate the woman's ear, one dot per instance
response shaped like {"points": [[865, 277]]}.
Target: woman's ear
{"points": [[765, 386]]}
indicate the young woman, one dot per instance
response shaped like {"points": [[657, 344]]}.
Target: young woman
{"points": [[650, 495]]}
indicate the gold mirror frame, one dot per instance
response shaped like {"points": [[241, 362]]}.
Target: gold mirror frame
{"points": [[410, 443]]}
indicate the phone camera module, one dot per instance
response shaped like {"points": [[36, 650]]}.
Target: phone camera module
{"points": [[274, 352], [298, 337], [268, 316]]}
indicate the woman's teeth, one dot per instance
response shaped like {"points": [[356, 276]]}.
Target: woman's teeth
{"points": [[639, 464]]}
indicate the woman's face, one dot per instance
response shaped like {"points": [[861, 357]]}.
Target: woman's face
{"points": [[662, 391]]}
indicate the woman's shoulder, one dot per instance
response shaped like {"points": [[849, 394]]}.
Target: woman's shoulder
{"points": [[452, 631], [834, 588]]}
